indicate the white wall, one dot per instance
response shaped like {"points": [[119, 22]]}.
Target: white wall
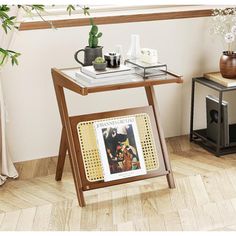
{"points": [[34, 123]]}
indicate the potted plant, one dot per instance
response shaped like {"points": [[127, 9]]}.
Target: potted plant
{"points": [[224, 25], [99, 64], [92, 51]]}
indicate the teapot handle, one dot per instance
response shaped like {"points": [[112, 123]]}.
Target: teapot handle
{"points": [[76, 56]]}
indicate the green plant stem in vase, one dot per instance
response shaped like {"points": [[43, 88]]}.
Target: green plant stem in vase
{"points": [[92, 51], [93, 35]]}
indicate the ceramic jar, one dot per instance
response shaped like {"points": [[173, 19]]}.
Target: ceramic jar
{"points": [[228, 65]]}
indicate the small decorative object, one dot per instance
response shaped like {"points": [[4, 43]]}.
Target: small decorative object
{"points": [[149, 55], [134, 50], [99, 64], [112, 59], [224, 25], [147, 70], [92, 51], [120, 148], [228, 65]]}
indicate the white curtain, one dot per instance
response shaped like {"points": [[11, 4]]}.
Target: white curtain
{"points": [[7, 168]]}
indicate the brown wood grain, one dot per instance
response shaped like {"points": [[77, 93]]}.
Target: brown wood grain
{"points": [[61, 100], [116, 19], [152, 101], [62, 155]]}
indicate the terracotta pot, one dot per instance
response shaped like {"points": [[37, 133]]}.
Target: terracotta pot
{"points": [[228, 65]]}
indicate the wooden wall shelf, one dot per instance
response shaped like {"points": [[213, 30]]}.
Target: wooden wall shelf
{"points": [[117, 19]]}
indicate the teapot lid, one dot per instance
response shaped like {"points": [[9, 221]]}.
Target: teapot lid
{"points": [[112, 54]]}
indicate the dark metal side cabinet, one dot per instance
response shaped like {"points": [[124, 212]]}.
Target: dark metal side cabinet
{"points": [[200, 136]]}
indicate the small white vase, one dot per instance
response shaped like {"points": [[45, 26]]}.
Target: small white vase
{"points": [[134, 51]]}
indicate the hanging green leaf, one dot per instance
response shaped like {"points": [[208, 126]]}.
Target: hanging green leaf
{"points": [[8, 23], [70, 8], [5, 53], [86, 10]]}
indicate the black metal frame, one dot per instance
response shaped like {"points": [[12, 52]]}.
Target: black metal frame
{"points": [[162, 69], [196, 135]]}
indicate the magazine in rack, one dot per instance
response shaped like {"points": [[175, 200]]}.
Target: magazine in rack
{"points": [[120, 148]]}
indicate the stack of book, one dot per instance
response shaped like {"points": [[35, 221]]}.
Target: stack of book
{"points": [[89, 76], [218, 78]]}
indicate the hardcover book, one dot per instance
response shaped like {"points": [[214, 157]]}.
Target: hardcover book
{"points": [[218, 78], [120, 148], [88, 80], [90, 71]]}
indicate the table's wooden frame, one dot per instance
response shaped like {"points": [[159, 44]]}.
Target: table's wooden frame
{"points": [[62, 81]]}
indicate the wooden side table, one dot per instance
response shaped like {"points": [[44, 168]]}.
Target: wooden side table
{"points": [[65, 78]]}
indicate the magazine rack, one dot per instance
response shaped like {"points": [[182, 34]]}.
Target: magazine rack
{"points": [[87, 173]]}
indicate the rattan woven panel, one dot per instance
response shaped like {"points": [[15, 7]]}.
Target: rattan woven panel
{"points": [[90, 153]]}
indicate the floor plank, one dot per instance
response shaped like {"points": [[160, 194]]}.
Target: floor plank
{"points": [[42, 218], [172, 221], [187, 220], [204, 197], [26, 219], [10, 221]]}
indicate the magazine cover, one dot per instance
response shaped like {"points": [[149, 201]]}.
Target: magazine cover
{"points": [[120, 148]]}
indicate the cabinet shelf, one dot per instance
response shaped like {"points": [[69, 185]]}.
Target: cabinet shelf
{"points": [[200, 136]]}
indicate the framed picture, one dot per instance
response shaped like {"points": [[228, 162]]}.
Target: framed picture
{"points": [[120, 148]]}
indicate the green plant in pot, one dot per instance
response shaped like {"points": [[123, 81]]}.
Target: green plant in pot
{"points": [[224, 25], [92, 51], [99, 64]]}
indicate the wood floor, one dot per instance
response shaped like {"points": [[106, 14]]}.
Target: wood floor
{"points": [[204, 199]]}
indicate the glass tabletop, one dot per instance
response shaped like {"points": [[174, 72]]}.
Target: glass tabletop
{"points": [[84, 82], [68, 78]]}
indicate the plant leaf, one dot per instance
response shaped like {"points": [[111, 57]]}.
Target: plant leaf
{"points": [[86, 10], [70, 8], [94, 30], [99, 35]]}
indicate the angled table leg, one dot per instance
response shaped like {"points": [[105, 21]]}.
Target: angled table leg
{"points": [[69, 140], [151, 97], [61, 156]]}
